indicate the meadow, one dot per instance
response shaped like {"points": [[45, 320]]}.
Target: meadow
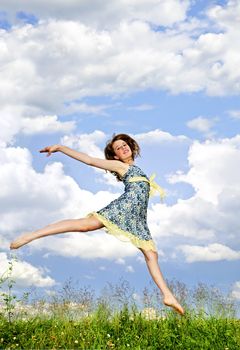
{"points": [[73, 317]]}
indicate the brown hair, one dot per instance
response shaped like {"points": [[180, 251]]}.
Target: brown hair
{"points": [[109, 151]]}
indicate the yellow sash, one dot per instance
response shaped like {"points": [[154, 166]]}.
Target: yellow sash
{"points": [[153, 185]]}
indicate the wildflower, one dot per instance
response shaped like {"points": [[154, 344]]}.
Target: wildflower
{"points": [[108, 335], [14, 338], [76, 341], [128, 345], [110, 344]]}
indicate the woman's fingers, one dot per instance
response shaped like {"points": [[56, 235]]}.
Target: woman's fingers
{"points": [[46, 149], [49, 150]]}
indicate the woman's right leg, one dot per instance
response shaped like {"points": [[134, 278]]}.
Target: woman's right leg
{"points": [[169, 299], [75, 225]]}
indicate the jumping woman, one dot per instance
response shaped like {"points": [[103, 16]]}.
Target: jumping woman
{"points": [[125, 217]]}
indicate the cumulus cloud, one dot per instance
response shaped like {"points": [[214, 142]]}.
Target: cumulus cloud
{"points": [[30, 200], [25, 274], [55, 63], [129, 268], [120, 261], [212, 252], [202, 124], [159, 136], [84, 108], [104, 14], [236, 290], [209, 214], [84, 245], [86, 143], [141, 108], [28, 197], [234, 114], [46, 124]]}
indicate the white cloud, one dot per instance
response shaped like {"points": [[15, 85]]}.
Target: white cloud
{"points": [[83, 245], [106, 13], [129, 268], [159, 136], [235, 114], [85, 108], [27, 197], [58, 62], [212, 252], [141, 108], [53, 196], [120, 261], [209, 215], [25, 274], [140, 259], [86, 143], [213, 168], [236, 290], [46, 124], [202, 124]]}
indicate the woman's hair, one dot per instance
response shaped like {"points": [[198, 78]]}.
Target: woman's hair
{"points": [[109, 151]]}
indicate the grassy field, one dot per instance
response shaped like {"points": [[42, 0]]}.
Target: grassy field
{"points": [[124, 330], [74, 318]]}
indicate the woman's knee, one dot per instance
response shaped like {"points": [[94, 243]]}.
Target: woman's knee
{"points": [[149, 254], [89, 224]]}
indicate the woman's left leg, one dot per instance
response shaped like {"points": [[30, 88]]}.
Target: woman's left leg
{"points": [[73, 225], [169, 299]]}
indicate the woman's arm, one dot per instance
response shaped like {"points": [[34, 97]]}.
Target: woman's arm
{"points": [[111, 165]]}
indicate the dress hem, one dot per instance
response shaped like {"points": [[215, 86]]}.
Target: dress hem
{"points": [[122, 235]]}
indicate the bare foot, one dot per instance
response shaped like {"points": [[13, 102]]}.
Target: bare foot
{"points": [[22, 240], [172, 302]]}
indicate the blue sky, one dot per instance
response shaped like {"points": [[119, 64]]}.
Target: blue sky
{"points": [[166, 72]]}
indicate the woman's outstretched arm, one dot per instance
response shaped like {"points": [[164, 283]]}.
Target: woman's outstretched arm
{"points": [[111, 165]]}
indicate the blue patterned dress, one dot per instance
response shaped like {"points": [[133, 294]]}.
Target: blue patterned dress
{"points": [[126, 216]]}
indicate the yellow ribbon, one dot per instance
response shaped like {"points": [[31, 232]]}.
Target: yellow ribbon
{"points": [[153, 185]]}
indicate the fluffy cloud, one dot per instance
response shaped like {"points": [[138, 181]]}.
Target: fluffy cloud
{"points": [[30, 200], [202, 124], [159, 136], [58, 62], [236, 290], [86, 143], [235, 114], [104, 14], [212, 252], [46, 124], [210, 213], [83, 245], [28, 197], [25, 274]]}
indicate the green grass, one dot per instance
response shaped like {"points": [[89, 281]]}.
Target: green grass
{"points": [[73, 318], [125, 329]]}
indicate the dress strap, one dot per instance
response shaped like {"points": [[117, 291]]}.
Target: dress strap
{"points": [[153, 185]]}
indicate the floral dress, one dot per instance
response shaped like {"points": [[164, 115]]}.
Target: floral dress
{"points": [[126, 216]]}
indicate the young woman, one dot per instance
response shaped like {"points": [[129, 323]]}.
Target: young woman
{"points": [[125, 217]]}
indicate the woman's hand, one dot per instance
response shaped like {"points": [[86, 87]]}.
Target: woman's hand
{"points": [[50, 149]]}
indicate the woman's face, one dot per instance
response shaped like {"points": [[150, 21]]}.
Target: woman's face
{"points": [[122, 150]]}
